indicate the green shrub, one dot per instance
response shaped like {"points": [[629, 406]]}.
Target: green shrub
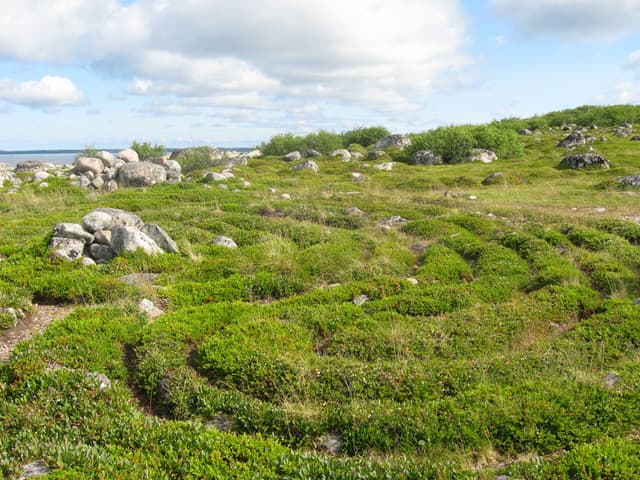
{"points": [[146, 150], [196, 158], [441, 264], [364, 136]]}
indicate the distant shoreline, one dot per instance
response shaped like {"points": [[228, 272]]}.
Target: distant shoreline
{"points": [[61, 156]]}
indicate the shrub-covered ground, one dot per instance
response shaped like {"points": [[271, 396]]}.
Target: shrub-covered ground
{"points": [[499, 360]]}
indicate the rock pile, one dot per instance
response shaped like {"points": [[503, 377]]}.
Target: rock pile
{"points": [[106, 233], [107, 172]]}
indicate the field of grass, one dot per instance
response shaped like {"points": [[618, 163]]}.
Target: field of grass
{"points": [[499, 336]]}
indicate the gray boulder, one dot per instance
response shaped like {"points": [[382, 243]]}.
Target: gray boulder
{"points": [[9, 177], [584, 160], [173, 166], [386, 166], [66, 248], [128, 239], [223, 241], [308, 165], [108, 158], [214, 177], [343, 153], [141, 174], [631, 180], [103, 237], [481, 155], [128, 155], [89, 164], [635, 138], [122, 217], [162, 239], [310, 153], [101, 253], [146, 307], [97, 220], [427, 157], [573, 140], [395, 140], [292, 156], [376, 155], [72, 230]]}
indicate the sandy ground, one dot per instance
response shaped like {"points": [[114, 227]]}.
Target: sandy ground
{"points": [[29, 326]]}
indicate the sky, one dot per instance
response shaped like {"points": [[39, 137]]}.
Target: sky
{"points": [[102, 73]]}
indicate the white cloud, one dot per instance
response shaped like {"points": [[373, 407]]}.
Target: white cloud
{"points": [[381, 55], [633, 60], [47, 92], [581, 20], [627, 92]]}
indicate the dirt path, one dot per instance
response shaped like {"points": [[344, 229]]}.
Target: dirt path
{"points": [[29, 326]]}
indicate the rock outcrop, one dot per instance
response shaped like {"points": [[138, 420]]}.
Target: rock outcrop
{"points": [[573, 140], [584, 160]]}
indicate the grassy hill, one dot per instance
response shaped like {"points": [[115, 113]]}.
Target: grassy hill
{"points": [[499, 335]]}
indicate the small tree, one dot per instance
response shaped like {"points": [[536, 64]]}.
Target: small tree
{"points": [[145, 150]]}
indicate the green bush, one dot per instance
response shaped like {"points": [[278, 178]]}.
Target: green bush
{"points": [[454, 143], [323, 141], [196, 158], [146, 150], [364, 136]]}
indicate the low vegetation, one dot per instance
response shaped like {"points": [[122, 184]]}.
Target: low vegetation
{"points": [[443, 329]]}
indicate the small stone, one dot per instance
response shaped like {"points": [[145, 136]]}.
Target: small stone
{"points": [[308, 165], [412, 281], [386, 166], [472, 197], [147, 308], [88, 262], [285, 196], [611, 379], [103, 381], [271, 190], [223, 241], [331, 443], [360, 300], [214, 177], [354, 212], [600, 210]]}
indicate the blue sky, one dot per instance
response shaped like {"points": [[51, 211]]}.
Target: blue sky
{"points": [[106, 72]]}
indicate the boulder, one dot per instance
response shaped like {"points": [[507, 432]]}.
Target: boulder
{"points": [[146, 307], [308, 165], [386, 166], [223, 241], [254, 154], [481, 155], [108, 158], [128, 155], [573, 140], [426, 157], [41, 176], [162, 239], [631, 180], [89, 164], [97, 220], [122, 217], [395, 140], [173, 166], [376, 155], [9, 177], [292, 156], [343, 153], [66, 248], [525, 131], [214, 177], [141, 174], [311, 153], [72, 230], [584, 160], [103, 237], [101, 253], [129, 239], [635, 138]]}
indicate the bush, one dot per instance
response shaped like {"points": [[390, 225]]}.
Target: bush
{"points": [[364, 136], [283, 143], [196, 158], [453, 143], [146, 150]]}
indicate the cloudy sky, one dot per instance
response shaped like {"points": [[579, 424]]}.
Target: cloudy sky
{"points": [[233, 73]]}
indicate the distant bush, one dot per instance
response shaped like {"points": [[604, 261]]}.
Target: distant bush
{"points": [[89, 151], [146, 150], [454, 143], [585, 115], [195, 158], [283, 143], [364, 136]]}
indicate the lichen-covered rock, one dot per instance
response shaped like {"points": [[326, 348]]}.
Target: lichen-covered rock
{"points": [[223, 241], [66, 248], [481, 155], [311, 153], [97, 220], [573, 140], [308, 165], [292, 156], [122, 217], [128, 239], [72, 230], [162, 239], [631, 180], [141, 174], [584, 160], [395, 140], [426, 157]]}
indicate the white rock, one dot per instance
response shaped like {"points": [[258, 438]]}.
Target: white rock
{"points": [[223, 241], [386, 166], [285, 196], [147, 307], [128, 155]]}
